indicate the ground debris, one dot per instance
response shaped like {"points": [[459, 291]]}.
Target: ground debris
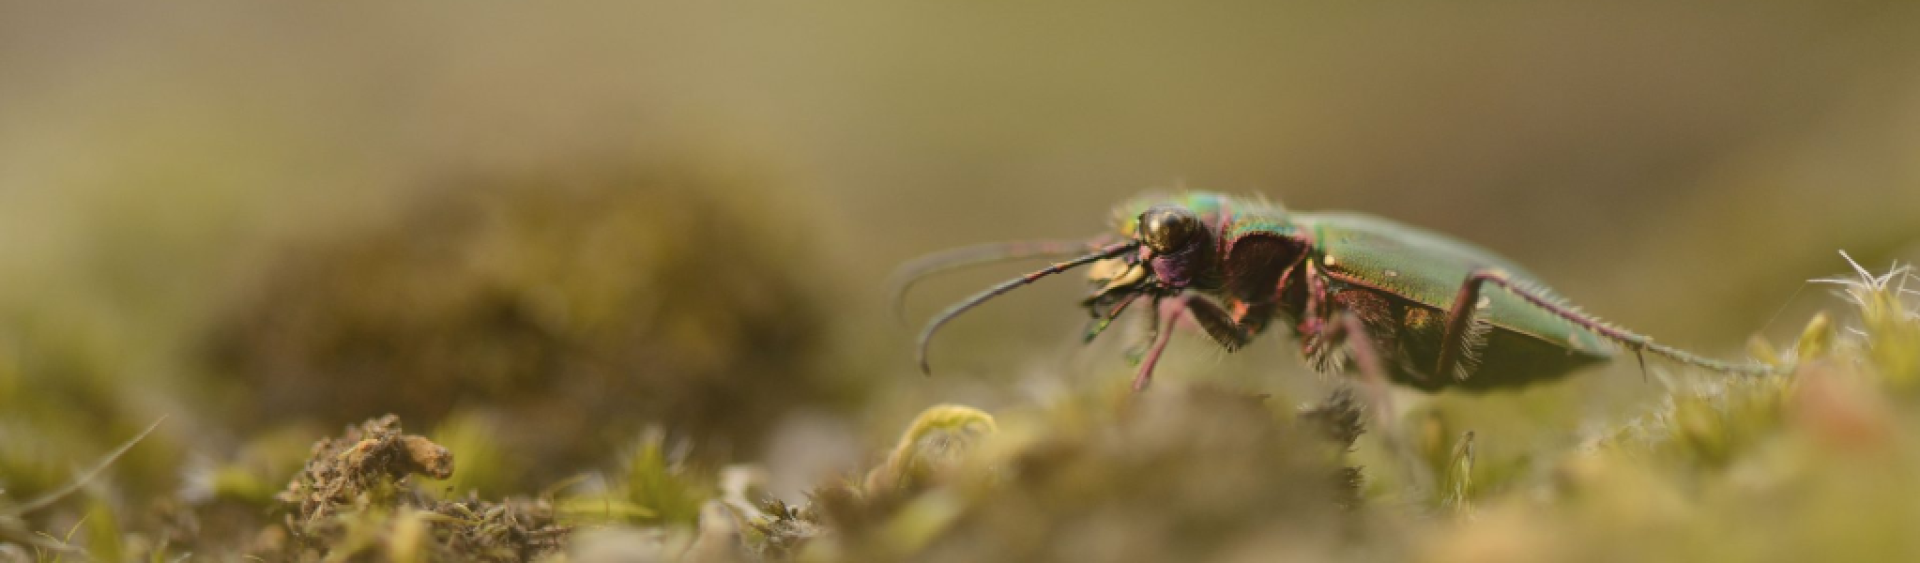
{"points": [[368, 458], [355, 495], [784, 529]]}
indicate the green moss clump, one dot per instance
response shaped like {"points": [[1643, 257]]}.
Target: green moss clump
{"points": [[1816, 465], [573, 306], [1194, 475]]}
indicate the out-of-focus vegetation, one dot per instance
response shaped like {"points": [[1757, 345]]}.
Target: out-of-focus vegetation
{"points": [[561, 310], [622, 263]]}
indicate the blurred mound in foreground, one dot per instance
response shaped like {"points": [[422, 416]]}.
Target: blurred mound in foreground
{"points": [[576, 305], [1195, 474]]}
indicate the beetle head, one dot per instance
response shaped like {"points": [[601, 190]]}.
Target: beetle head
{"points": [[1176, 245], [1166, 229]]}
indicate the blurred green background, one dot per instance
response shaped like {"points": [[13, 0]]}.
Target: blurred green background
{"points": [[1678, 168]]}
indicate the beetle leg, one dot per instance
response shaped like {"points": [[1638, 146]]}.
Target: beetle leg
{"points": [[1348, 329], [1345, 324], [1101, 320], [1138, 351], [1464, 333], [1316, 296], [1461, 318], [1322, 338], [1229, 330], [1166, 314]]}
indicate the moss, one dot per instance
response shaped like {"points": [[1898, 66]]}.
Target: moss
{"points": [[1812, 466], [661, 483], [575, 306], [935, 442], [1185, 475]]}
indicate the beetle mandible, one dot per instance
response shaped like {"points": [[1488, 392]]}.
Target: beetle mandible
{"points": [[1406, 305]]}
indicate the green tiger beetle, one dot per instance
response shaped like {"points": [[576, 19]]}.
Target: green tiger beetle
{"points": [[1405, 305]]}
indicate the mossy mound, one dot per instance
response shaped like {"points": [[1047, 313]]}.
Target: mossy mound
{"points": [[1186, 475], [577, 305]]}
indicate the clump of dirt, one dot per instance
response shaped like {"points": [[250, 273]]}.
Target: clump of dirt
{"points": [[356, 495], [369, 459], [585, 303]]}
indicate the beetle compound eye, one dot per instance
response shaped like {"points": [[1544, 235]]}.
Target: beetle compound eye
{"points": [[1166, 229]]}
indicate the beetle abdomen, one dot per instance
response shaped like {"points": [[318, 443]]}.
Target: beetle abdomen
{"points": [[1427, 268]]}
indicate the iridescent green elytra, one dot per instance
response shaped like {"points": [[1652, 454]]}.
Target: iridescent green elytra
{"points": [[1412, 306]]}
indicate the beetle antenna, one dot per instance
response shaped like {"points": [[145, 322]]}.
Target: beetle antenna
{"points": [[910, 273], [926, 335]]}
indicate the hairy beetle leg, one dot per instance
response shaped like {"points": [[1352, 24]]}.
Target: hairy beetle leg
{"points": [[1348, 328], [1456, 342], [1350, 331], [1225, 328], [1460, 320]]}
